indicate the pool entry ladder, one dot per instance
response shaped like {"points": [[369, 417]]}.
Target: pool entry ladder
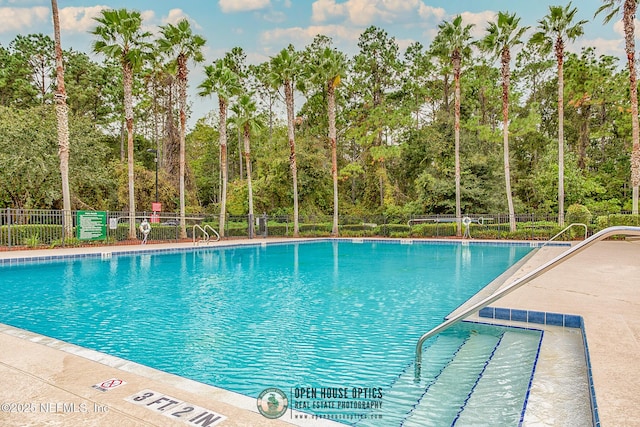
{"points": [[206, 236]]}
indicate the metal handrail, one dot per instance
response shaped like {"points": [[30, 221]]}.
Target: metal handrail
{"points": [[607, 232], [567, 228], [206, 235], [214, 231]]}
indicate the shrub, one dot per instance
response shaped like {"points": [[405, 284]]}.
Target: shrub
{"points": [[434, 230], [579, 214], [617, 219], [388, 229]]}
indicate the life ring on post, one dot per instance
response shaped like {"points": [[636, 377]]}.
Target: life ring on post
{"points": [[467, 222], [145, 229]]}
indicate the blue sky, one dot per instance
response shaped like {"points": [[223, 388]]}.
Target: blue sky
{"points": [[263, 27]]}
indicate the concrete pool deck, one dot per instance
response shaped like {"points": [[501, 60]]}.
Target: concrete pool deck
{"points": [[49, 382]]}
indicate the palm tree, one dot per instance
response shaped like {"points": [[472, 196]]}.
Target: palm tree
{"points": [[326, 69], [62, 117], [120, 37], [555, 29], [285, 69], [501, 36], [453, 41], [245, 110], [225, 83], [179, 41], [628, 20]]}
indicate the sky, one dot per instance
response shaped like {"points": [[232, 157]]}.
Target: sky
{"points": [[264, 27]]}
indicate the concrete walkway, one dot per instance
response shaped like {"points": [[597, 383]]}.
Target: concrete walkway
{"points": [[48, 382]]}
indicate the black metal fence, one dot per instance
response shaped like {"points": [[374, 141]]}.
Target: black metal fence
{"points": [[36, 228]]}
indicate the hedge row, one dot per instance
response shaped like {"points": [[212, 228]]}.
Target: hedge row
{"points": [[33, 235]]}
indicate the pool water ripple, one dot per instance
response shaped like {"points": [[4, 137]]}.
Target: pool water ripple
{"points": [[327, 314]]}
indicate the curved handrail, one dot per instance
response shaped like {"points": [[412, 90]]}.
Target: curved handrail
{"points": [[567, 228], [207, 226], [206, 235], [607, 232]]}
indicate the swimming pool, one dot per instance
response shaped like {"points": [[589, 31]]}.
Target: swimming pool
{"points": [[331, 314]]}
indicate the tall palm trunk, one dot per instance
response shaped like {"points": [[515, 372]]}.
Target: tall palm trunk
{"points": [[247, 162], [288, 96], [331, 113], [456, 58], [560, 61], [222, 103], [506, 58], [182, 100], [63, 125], [128, 115], [628, 18]]}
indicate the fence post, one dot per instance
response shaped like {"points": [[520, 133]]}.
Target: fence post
{"points": [[9, 227], [63, 233]]}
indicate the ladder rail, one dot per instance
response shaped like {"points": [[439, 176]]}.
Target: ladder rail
{"points": [[208, 227], [601, 235], [576, 224], [206, 235]]}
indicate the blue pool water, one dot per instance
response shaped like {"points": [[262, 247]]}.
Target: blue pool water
{"points": [[324, 314]]}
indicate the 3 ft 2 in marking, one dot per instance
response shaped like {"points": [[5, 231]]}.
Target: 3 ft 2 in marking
{"points": [[176, 409]]}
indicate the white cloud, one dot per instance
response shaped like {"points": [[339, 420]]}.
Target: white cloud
{"points": [[304, 36], [479, 20], [19, 19], [366, 12], [613, 47], [79, 19], [175, 16], [228, 6], [402, 5], [427, 12], [323, 10]]}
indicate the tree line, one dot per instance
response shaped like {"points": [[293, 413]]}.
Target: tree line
{"points": [[503, 123]]}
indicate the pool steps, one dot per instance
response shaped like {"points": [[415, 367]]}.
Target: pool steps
{"points": [[467, 381], [513, 360], [444, 399]]}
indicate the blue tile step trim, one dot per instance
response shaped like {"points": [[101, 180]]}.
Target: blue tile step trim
{"points": [[530, 316], [554, 319]]}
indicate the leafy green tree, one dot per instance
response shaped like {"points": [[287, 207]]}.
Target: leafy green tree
{"points": [[416, 80], [286, 72], [38, 52], [93, 90], [236, 60], [326, 70], [502, 36], [179, 40], [203, 157], [629, 8], [119, 36], [222, 81], [453, 39], [245, 109], [373, 84], [29, 165], [555, 29]]}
